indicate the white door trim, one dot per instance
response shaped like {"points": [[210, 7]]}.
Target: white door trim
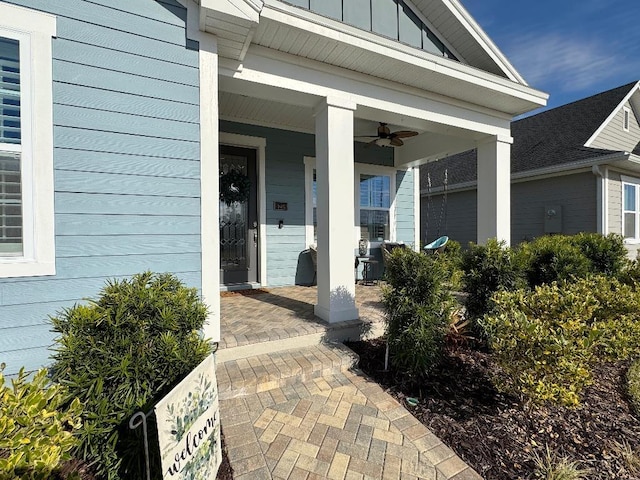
{"points": [[260, 145]]}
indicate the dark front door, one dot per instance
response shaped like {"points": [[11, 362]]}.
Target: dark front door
{"points": [[238, 216]]}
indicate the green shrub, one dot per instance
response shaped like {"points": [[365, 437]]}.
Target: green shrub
{"points": [[451, 257], [121, 353], [552, 258], [606, 254], [37, 432], [488, 269], [633, 385], [546, 341], [630, 273], [417, 307]]}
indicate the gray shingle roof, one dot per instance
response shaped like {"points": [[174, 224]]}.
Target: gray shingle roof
{"points": [[553, 137]]}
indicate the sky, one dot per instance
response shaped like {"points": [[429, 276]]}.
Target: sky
{"points": [[570, 49]]}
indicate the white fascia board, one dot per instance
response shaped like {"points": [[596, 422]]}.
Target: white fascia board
{"points": [[483, 40], [334, 30], [246, 10], [275, 69], [612, 115]]}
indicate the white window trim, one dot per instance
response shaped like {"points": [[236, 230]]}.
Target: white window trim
{"points": [[34, 30], [626, 118], [360, 169], [635, 182]]}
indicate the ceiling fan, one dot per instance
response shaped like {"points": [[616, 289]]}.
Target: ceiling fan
{"points": [[386, 138]]}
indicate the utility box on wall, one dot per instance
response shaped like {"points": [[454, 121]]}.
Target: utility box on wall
{"points": [[553, 219]]}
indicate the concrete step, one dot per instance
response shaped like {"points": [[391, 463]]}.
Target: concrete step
{"points": [[260, 373], [303, 334]]}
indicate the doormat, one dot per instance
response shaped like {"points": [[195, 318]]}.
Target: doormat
{"points": [[244, 293]]}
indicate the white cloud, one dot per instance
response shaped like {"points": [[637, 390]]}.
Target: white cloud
{"points": [[570, 62]]}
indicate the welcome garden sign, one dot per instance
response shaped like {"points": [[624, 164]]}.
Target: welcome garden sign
{"points": [[189, 426]]}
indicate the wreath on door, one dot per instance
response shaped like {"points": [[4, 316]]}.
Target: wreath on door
{"points": [[235, 186]]}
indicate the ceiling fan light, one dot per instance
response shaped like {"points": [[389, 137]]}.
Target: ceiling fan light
{"points": [[383, 142]]}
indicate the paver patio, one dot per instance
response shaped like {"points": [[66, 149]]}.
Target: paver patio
{"points": [[308, 413]]}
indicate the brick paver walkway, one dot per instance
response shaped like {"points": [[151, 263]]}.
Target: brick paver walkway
{"points": [[308, 413]]}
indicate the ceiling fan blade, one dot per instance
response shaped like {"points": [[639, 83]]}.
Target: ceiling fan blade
{"points": [[396, 142], [372, 142], [404, 134]]}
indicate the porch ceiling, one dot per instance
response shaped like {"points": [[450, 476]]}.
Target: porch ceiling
{"points": [[257, 111]]}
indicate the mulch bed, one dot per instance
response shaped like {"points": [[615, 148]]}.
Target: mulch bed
{"points": [[497, 434]]}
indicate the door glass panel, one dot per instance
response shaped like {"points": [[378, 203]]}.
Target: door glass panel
{"points": [[233, 217]]}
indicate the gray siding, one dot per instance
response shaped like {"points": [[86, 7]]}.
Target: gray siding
{"points": [[126, 159], [614, 186], [613, 137], [457, 218], [576, 194]]}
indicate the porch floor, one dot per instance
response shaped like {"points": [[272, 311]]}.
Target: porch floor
{"points": [[249, 317], [294, 405]]}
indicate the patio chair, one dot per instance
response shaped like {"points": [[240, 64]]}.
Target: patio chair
{"points": [[438, 245], [313, 251]]}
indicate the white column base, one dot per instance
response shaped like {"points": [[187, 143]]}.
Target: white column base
{"points": [[333, 315]]}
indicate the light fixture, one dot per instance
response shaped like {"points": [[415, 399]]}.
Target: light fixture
{"points": [[383, 142]]}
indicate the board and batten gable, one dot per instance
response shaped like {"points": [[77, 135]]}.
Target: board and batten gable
{"points": [[126, 161], [285, 182], [614, 137]]}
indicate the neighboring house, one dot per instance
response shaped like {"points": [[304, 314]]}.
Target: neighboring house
{"points": [[574, 168], [122, 120]]}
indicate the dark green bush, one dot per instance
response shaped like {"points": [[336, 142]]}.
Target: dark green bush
{"points": [[606, 254], [488, 269], [547, 341], [37, 431], [417, 307], [552, 258], [121, 353], [451, 257], [633, 385]]}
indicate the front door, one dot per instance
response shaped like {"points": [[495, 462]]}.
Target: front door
{"points": [[238, 216]]}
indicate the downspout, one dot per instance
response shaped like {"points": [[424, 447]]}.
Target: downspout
{"points": [[602, 198]]}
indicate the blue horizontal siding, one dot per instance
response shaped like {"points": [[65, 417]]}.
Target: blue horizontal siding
{"points": [[126, 160], [128, 164], [405, 213], [104, 100]]}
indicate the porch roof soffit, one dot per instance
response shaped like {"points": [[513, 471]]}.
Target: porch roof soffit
{"points": [[300, 33]]}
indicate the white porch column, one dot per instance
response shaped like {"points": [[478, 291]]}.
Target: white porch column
{"points": [[209, 187], [335, 210], [494, 189]]}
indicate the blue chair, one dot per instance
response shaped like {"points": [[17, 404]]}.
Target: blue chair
{"points": [[437, 245]]}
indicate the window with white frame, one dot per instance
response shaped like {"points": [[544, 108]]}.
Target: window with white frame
{"points": [[626, 118], [375, 204], [631, 208], [26, 142], [374, 189]]}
